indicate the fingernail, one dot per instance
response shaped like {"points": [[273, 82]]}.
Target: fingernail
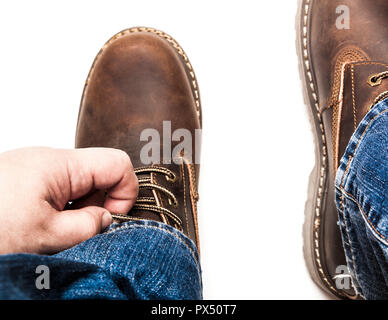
{"points": [[106, 220]]}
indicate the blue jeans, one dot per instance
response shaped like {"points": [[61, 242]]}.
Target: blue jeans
{"points": [[362, 201], [133, 260]]}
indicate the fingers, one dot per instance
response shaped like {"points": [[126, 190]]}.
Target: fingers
{"points": [[71, 227], [103, 168]]}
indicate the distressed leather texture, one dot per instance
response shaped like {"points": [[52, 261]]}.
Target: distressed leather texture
{"points": [[140, 78], [342, 60]]}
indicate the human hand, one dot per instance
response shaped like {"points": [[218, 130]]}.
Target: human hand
{"points": [[37, 183]]}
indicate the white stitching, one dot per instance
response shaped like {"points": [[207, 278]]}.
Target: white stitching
{"points": [[317, 211], [168, 38]]}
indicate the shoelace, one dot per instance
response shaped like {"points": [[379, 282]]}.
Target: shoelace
{"points": [[376, 80], [150, 203]]}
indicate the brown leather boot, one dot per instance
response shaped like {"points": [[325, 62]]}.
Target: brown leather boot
{"points": [[343, 49], [142, 84]]}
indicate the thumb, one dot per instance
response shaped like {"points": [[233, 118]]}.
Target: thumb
{"points": [[71, 227]]}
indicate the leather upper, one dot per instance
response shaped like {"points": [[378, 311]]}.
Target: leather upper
{"points": [[358, 97], [140, 79], [342, 61]]}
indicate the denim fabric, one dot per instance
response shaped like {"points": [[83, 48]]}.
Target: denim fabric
{"points": [[361, 197], [133, 260]]}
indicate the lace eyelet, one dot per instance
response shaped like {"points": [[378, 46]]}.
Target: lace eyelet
{"points": [[373, 81], [173, 204], [171, 177]]}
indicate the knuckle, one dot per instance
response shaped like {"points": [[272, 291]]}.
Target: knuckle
{"points": [[124, 159], [94, 223]]}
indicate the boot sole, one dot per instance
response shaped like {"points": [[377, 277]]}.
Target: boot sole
{"points": [[318, 186]]}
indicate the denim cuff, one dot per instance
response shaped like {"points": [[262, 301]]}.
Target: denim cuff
{"points": [[361, 188], [361, 175], [151, 224]]}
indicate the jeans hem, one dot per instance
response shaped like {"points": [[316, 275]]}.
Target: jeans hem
{"points": [[344, 194], [150, 224], [345, 167]]}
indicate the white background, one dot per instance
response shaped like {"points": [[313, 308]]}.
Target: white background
{"points": [[257, 141]]}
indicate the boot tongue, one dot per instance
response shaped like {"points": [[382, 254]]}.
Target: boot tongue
{"points": [[154, 197], [358, 96], [145, 193], [145, 215]]}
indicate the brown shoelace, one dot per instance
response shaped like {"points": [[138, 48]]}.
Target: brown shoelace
{"points": [[151, 203]]}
